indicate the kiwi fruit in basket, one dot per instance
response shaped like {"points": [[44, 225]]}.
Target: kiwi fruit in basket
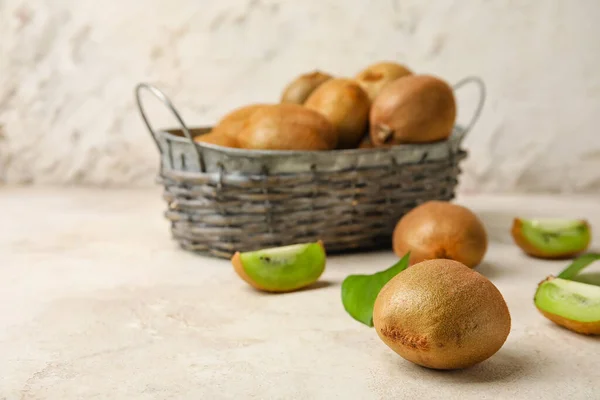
{"points": [[413, 109], [346, 105], [298, 90], [287, 127], [376, 76], [233, 122], [218, 139]]}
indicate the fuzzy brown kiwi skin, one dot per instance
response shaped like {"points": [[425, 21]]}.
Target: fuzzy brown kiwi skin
{"points": [[238, 267], [442, 315], [217, 139], [441, 230], [232, 123], [346, 105], [585, 328], [297, 91], [517, 234], [413, 109], [288, 127], [376, 76]]}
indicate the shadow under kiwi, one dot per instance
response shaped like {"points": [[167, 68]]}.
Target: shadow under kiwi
{"points": [[506, 365], [566, 331], [489, 270], [317, 285]]}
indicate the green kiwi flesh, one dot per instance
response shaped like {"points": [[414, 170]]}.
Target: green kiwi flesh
{"points": [[551, 238], [569, 299], [282, 269]]}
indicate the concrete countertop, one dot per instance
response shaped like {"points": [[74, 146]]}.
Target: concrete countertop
{"points": [[96, 301]]}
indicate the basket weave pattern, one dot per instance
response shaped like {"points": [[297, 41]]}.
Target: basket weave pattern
{"points": [[355, 209]]}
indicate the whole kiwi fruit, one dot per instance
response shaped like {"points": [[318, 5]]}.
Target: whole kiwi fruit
{"points": [[218, 139], [288, 127], [346, 105], [298, 90], [440, 229], [232, 123], [376, 76], [413, 109], [441, 314]]}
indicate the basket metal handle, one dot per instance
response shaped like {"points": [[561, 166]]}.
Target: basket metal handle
{"points": [[162, 97], [477, 113]]}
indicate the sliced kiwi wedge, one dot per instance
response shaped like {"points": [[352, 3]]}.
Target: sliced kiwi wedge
{"points": [[551, 237], [568, 303], [281, 269]]}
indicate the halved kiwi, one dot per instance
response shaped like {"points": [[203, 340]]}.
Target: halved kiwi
{"points": [[281, 269], [550, 237], [573, 305]]}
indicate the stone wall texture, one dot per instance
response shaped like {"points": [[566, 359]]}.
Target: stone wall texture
{"points": [[68, 69]]}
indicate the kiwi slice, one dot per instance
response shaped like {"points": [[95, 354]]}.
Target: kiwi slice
{"points": [[569, 303], [281, 269], [550, 237], [573, 305]]}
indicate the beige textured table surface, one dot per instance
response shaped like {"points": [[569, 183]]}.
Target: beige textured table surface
{"points": [[97, 302]]}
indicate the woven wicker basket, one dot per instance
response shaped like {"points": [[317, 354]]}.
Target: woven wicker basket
{"points": [[223, 200]]}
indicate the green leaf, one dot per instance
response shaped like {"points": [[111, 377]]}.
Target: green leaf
{"points": [[577, 265], [360, 291]]}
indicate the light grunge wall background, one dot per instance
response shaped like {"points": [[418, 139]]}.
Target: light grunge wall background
{"points": [[68, 68]]}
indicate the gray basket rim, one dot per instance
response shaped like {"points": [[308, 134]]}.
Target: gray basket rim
{"points": [[453, 141]]}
